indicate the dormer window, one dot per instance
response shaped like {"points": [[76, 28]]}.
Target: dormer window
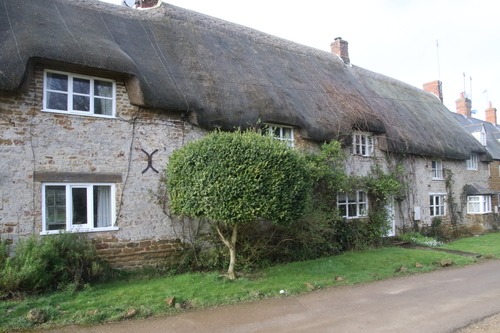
{"points": [[472, 162], [437, 170], [481, 136], [362, 144], [78, 94], [282, 133]]}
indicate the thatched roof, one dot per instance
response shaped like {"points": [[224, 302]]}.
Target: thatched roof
{"points": [[226, 75]]}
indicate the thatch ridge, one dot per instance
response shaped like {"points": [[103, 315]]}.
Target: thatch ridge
{"points": [[224, 75]]}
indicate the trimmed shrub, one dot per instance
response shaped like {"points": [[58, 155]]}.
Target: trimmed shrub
{"points": [[237, 179]]}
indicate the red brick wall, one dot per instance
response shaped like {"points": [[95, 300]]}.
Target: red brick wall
{"points": [[137, 254]]}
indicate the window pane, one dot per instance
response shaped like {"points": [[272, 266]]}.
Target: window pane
{"points": [[352, 210], [102, 206], [103, 88], [81, 103], [55, 207], [57, 101], [343, 210], [103, 106], [287, 133], [81, 86], [362, 209], [276, 132], [79, 205], [57, 82]]}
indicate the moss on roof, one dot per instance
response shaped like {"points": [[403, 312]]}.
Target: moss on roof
{"points": [[225, 75]]}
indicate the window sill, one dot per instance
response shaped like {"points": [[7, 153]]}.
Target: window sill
{"points": [[480, 213], [75, 230], [438, 179], [85, 114], [354, 217], [370, 156]]}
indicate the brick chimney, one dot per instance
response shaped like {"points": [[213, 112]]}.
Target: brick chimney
{"points": [[464, 106], [340, 47], [145, 3], [435, 87], [491, 114]]}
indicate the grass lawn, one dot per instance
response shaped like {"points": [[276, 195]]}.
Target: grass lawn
{"points": [[486, 245], [111, 301]]}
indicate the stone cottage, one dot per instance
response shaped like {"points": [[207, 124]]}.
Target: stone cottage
{"points": [[482, 203], [94, 98]]}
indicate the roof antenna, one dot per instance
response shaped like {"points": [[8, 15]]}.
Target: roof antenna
{"points": [[439, 67], [470, 87], [464, 85]]}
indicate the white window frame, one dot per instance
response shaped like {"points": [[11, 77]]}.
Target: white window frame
{"points": [[68, 211], [362, 144], [472, 162], [437, 204], [283, 133], [479, 204], [71, 94], [360, 204], [481, 136], [437, 170]]}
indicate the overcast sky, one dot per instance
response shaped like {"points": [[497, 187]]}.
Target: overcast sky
{"points": [[397, 38]]}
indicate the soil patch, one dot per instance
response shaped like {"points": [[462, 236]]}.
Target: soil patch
{"points": [[408, 245]]}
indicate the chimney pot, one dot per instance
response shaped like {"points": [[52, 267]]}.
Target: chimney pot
{"points": [[146, 3], [340, 47], [464, 106], [435, 87], [491, 114]]}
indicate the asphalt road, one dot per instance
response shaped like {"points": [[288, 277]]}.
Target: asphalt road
{"points": [[442, 301]]}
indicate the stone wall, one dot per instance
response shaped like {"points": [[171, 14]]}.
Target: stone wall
{"points": [[418, 172], [494, 181]]}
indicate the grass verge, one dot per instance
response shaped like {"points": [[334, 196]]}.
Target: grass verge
{"points": [[488, 245], [111, 301]]}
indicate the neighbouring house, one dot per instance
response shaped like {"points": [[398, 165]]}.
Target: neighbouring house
{"points": [[482, 202], [95, 97]]}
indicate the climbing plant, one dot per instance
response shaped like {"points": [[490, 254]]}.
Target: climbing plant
{"points": [[454, 206]]}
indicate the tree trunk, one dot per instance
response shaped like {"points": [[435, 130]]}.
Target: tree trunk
{"points": [[231, 244]]}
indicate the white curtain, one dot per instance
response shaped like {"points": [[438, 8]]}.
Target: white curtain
{"points": [[103, 202]]}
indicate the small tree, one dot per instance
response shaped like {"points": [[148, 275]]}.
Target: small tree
{"points": [[237, 178]]}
